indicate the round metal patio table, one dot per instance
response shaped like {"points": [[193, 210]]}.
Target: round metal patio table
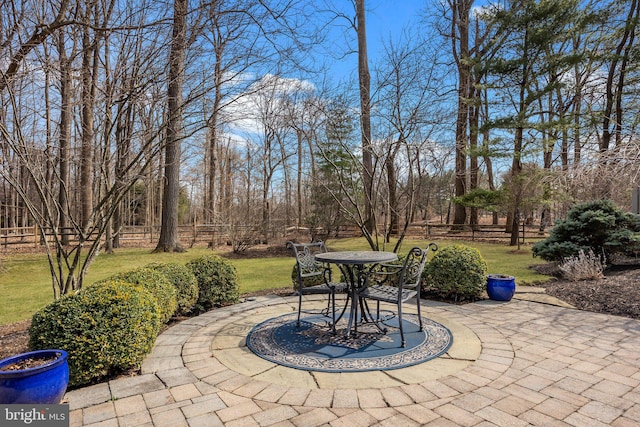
{"points": [[353, 265]]}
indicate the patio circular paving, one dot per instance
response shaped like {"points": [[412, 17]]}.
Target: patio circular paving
{"points": [[228, 346], [517, 363]]}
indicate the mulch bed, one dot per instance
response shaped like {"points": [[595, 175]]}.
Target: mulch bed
{"points": [[14, 338], [617, 293]]}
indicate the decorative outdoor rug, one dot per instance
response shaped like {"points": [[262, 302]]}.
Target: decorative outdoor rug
{"points": [[312, 346]]}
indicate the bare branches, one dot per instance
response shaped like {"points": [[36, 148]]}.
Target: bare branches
{"points": [[39, 35]]}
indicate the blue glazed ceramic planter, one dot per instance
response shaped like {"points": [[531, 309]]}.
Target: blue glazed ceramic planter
{"points": [[501, 287], [44, 384]]}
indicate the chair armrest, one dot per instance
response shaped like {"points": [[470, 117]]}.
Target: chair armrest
{"points": [[385, 274], [395, 267]]}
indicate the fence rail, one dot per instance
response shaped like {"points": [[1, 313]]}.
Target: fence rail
{"points": [[19, 235], [222, 234], [30, 236]]}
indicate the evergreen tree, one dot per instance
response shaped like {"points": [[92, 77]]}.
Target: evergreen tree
{"points": [[598, 226], [337, 188], [525, 72]]}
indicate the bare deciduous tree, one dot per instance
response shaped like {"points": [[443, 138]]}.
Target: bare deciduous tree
{"points": [[617, 73], [406, 82], [169, 241]]}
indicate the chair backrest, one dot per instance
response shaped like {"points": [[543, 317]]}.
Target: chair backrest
{"points": [[411, 275], [308, 268]]}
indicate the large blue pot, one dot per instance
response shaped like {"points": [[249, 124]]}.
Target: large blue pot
{"points": [[44, 384], [501, 287]]}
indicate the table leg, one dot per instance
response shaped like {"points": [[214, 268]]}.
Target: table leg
{"points": [[357, 301], [349, 277], [358, 282], [356, 278]]}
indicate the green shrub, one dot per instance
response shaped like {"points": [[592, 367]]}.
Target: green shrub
{"points": [[156, 283], [217, 282], [184, 282], [306, 281], [457, 272], [598, 226], [106, 328]]}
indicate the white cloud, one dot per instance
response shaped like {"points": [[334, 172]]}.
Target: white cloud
{"points": [[243, 115]]}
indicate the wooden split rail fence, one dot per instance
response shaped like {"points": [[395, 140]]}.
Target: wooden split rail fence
{"points": [[220, 234]]}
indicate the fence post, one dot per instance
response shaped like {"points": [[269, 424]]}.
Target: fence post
{"points": [[195, 232]]}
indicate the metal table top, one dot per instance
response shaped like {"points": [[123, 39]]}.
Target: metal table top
{"points": [[356, 257]]}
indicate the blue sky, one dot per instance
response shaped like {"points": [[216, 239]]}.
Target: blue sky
{"points": [[387, 17], [385, 20]]}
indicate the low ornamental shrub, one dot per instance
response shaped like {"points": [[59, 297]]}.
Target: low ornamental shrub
{"points": [[598, 226], [217, 282], [184, 282], [157, 284], [584, 266], [457, 273], [106, 328]]}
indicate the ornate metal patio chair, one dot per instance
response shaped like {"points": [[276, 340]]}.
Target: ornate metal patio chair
{"points": [[314, 277], [397, 283]]}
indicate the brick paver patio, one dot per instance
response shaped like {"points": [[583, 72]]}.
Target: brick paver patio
{"points": [[512, 364]]}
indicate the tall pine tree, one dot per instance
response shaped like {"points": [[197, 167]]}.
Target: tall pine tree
{"points": [[523, 70]]}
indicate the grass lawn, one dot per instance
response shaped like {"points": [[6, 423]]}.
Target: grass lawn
{"points": [[25, 283]]}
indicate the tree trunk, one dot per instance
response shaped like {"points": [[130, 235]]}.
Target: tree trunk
{"points": [[123, 148], [169, 241], [212, 150], [460, 47], [621, 78], [473, 149], [286, 175], [365, 115], [516, 168], [577, 143], [613, 89], [50, 163], [393, 197], [64, 142], [299, 180], [106, 146], [266, 217], [212, 146], [487, 159], [228, 179], [89, 70]]}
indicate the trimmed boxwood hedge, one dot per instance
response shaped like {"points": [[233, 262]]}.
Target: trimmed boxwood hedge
{"points": [[156, 283], [217, 282], [105, 328], [184, 281], [456, 272]]}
